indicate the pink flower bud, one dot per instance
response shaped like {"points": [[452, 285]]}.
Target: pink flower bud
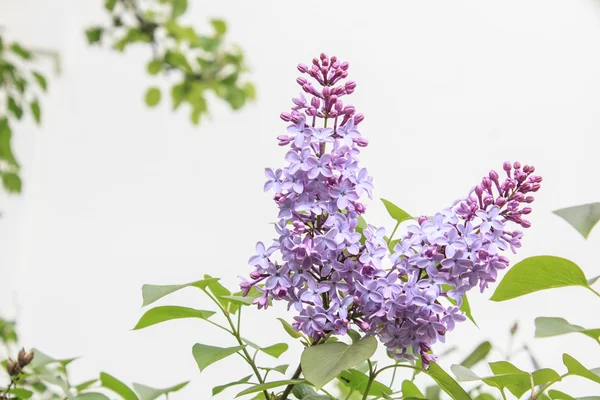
{"points": [[365, 326], [493, 176], [285, 116], [360, 208], [361, 142], [345, 65], [302, 68], [516, 165], [358, 118]]}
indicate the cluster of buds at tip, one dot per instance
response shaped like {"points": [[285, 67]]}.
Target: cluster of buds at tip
{"points": [[23, 359]]}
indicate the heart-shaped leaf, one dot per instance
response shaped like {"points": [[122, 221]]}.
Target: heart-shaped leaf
{"points": [[582, 218]]}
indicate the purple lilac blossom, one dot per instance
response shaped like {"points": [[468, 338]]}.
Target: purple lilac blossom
{"points": [[318, 263]]}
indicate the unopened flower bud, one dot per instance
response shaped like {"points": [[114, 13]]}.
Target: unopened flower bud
{"points": [[303, 68], [500, 201], [358, 118], [24, 358], [506, 166], [360, 208], [493, 176], [255, 274], [13, 368], [365, 326], [361, 142], [344, 65], [517, 165], [285, 116]]}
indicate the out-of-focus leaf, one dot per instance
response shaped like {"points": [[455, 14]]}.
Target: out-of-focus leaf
{"points": [[91, 396], [14, 108], [557, 395], [153, 96], [583, 218], [41, 81], [409, 389], [547, 327], [477, 355], [218, 389], [112, 383], [110, 4], [35, 110], [154, 67], [11, 182], [219, 26], [538, 273], [149, 393], [94, 34], [21, 52], [179, 7]]}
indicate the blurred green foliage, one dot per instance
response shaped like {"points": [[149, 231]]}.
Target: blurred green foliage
{"points": [[196, 63]]}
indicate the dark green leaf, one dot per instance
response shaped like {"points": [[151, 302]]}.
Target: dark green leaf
{"points": [[218, 389], [446, 382], [14, 108], [21, 52], [547, 327], [6, 153], [11, 182], [270, 385], [35, 110], [409, 389], [41, 81], [322, 363], [149, 393], [396, 212], [154, 67], [206, 355], [179, 7], [576, 368], [94, 34], [153, 96], [112, 383], [583, 218], [538, 273], [166, 313], [479, 354], [151, 293], [289, 329]]}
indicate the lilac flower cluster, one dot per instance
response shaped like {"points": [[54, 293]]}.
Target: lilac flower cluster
{"points": [[335, 274]]}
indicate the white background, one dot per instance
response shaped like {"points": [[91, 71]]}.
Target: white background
{"points": [[117, 195]]}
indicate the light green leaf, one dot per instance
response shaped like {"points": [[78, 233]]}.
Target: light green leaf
{"points": [[396, 212], [557, 395], [40, 360], [151, 293], [545, 375], [512, 378], [154, 67], [547, 327], [150, 393], [206, 355], [179, 7], [249, 90], [12, 182], [322, 363], [240, 300], [576, 368], [275, 350], [446, 382], [41, 81], [280, 368], [94, 34], [166, 313], [177, 95], [112, 383], [219, 26], [583, 218], [153, 97], [85, 385], [218, 389], [270, 385], [479, 354], [357, 381], [91, 396], [21, 393], [35, 110], [538, 273], [409, 389], [289, 329]]}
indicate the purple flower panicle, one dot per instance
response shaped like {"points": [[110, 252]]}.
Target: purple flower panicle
{"points": [[332, 274]]}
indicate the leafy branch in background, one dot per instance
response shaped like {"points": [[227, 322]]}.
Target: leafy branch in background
{"points": [[197, 63], [20, 87]]}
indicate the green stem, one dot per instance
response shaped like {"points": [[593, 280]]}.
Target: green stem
{"points": [[237, 336], [349, 394], [593, 291], [502, 393], [372, 375], [393, 376], [394, 231]]}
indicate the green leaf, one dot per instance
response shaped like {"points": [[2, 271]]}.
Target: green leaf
{"points": [[21, 393], [91, 396], [35, 110], [289, 329], [355, 336], [151, 293], [110, 4], [14, 108], [275, 350], [177, 60], [538, 273], [21, 52], [545, 375], [547, 327], [166, 313], [6, 153], [357, 381], [396, 212], [249, 90], [149, 393], [477, 355], [280, 368], [219, 26], [177, 95], [409, 389], [446, 382], [270, 385], [41, 359], [218, 389], [112, 383], [322, 363], [576, 368], [557, 395], [154, 67], [153, 96], [305, 392], [206, 355], [11, 182], [179, 7], [94, 34], [240, 300], [85, 385], [235, 97], [41, 81], [583, 218]]}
